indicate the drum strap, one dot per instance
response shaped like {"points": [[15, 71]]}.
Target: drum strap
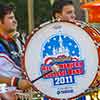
{"points": [[12, 51], [5, 43]]}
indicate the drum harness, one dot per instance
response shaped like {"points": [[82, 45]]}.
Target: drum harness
{"points": [[12, 53]]}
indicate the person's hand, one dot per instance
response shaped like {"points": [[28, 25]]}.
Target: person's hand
{"points": [[24, 84], [8, 96]]}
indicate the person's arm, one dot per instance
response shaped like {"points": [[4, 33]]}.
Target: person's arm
{"points": [[8, 95], [6, 80], [21, 83], [7, 75]]}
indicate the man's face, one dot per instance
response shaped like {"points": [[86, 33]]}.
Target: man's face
{"points": [[67, 13], [9, 23]]}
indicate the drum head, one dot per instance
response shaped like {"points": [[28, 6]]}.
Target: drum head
{"points": [[67, 46]]}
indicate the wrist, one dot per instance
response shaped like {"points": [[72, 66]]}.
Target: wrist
{"points": [[15, 81]]}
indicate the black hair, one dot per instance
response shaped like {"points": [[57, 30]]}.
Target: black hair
{"points": [[58, 6], [6, 9]]}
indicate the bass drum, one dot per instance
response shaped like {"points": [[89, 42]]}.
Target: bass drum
{"points": [[73, 48]]}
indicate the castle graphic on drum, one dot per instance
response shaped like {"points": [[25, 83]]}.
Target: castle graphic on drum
{"points": [[64, 52], [67, 46]]}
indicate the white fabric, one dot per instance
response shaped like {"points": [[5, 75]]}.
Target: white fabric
{"points": [[7, 67]]}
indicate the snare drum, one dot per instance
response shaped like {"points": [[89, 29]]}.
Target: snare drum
{"points": [[74, 49]]}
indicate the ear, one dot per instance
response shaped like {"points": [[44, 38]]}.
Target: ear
{"points": [[58, 16]]}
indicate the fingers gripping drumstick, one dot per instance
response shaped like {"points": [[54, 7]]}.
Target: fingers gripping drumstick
{"points": [[54, 68]]}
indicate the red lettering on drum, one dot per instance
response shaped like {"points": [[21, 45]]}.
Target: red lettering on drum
{"points": [[72, 65], [66, 68], [75, 71], [56, 74], [78, 64], [45, 68]]}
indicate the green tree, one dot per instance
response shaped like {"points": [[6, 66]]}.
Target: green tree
{"points": [[42, 11]]}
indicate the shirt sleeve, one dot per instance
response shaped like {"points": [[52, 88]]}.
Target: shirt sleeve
{"points": [[7, 67]]}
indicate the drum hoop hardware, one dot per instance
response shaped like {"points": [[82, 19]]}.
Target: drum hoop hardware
{"points": [[97, 44]]}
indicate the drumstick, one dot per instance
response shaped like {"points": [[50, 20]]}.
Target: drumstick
{"points": [[54, 68]]}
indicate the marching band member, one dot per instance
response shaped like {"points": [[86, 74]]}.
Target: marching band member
{"points": [[10, 67], [64, 10]]}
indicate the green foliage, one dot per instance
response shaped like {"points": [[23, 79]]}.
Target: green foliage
{"points": [[42, 11]]}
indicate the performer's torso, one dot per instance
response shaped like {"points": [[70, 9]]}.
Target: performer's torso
{"points": [[9, 59]]}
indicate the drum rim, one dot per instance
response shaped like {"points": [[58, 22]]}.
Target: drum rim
{"points": [[27, 42]]}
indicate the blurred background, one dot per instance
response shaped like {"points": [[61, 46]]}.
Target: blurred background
{"points": [[31, 13]]}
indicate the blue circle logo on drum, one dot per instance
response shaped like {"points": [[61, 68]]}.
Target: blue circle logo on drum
{"points": [[63, 51]]}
